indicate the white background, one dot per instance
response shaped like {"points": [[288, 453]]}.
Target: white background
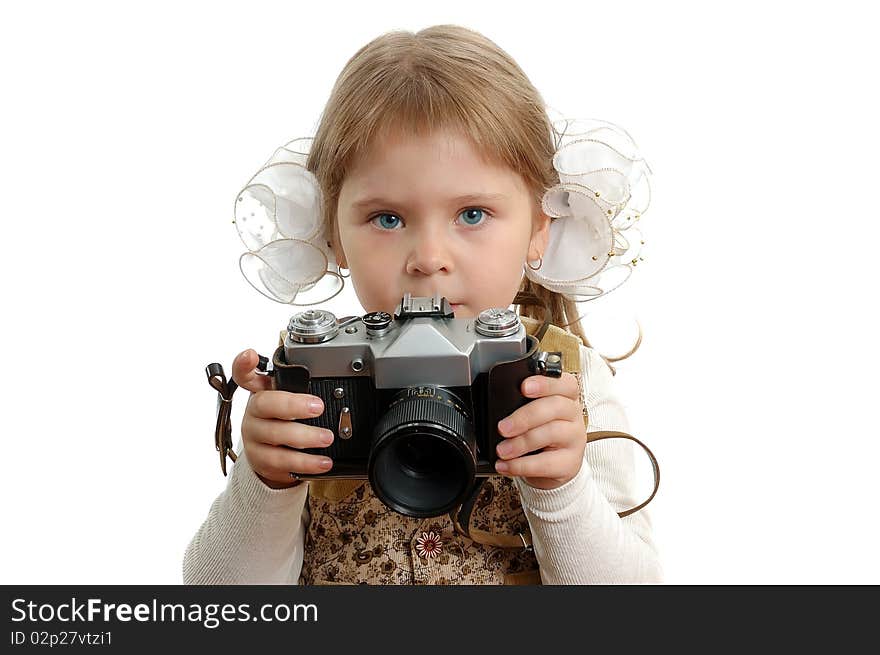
{"points": [[127, 132]]}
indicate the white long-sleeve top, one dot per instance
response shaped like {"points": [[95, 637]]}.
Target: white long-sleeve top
{"points": [[254, 534]]}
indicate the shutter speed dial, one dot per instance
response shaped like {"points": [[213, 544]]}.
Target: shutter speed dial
{"points": [[377, 323]]}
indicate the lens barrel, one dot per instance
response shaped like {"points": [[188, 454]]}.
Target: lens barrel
{"points": [[423, 456]]}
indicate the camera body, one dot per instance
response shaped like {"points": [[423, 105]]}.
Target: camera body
{"points": [[414, 398]]}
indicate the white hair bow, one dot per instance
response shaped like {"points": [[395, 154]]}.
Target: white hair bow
{"points": [[603, 192]]}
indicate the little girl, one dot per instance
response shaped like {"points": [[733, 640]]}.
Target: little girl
{"points": [[436, 172]]}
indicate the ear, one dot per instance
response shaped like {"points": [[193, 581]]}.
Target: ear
{"points": [[540, 236]]}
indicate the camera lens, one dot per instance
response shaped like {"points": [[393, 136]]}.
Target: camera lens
{"points": [[423, 457]]}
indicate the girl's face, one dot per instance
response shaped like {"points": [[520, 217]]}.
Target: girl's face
{"points": [[427, 215]]}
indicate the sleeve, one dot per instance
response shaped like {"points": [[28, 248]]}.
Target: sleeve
{"points": [[576, 532], [253, 534]]}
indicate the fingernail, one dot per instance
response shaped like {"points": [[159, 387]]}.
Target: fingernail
{"points": [[502, 467], [327, 438], [503, 449], [505, 426], [531, 386], [325, 463], [316, 406]]}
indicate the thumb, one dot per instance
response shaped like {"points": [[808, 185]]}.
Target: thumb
{"points": [[244, 372]]}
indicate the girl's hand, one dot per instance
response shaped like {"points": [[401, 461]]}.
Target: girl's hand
{"points": [[554, 422], [269, 429]]}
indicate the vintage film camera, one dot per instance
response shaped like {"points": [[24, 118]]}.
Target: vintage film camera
{"points": [[414, 399]]}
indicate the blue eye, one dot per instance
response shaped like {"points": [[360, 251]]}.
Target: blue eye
{"points": [[473, 216], [387, 221]]}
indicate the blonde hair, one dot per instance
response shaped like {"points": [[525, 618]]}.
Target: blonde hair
{"points": [[442, 77]]}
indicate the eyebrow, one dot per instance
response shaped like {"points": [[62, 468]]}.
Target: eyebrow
{"points": [[468, 197]]}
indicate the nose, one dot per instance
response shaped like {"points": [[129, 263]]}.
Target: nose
{"points": [[430, 254]]}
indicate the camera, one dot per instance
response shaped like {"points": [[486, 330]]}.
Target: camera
{"points": [[414, 398]]}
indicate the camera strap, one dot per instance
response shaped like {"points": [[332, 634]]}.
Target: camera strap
{"points": [[461, 521], [461, 516], [225, 389], [223, 430], [612, 434]]}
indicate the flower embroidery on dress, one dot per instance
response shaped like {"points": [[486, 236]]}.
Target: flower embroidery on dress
{"points": [[429, 544]]}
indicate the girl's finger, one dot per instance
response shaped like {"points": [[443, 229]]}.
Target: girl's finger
{"points": [[275, 404], [278, 462], [551, 464], [274, 432], [535, 413], [244, 372], [555, 433], [538, 386]]}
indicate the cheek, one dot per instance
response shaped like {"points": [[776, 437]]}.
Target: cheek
{"points": [[495, 272], [371, 256], [502, 253], [364, 241], [370, 267]]}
